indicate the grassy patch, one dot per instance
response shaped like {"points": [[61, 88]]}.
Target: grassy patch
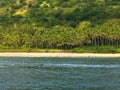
{"points": [[106, 49], [118, 50], [96, 49], [82, 49]]}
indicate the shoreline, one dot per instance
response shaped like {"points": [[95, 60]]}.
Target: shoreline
{"points": [[74, 55]]}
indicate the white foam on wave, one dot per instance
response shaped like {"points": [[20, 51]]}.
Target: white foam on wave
{"points": [[2, 65], [83, 65]]}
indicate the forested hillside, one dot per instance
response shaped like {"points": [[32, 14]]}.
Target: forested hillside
{"points": [[60, 24]]}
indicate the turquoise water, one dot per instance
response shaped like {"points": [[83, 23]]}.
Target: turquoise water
{"points": [[59, 73]]}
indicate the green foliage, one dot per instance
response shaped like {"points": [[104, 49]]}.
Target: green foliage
{"points": [[94, 49], [118, 50], [57, 12], [106, 49], [61, 24], [85, 49]]}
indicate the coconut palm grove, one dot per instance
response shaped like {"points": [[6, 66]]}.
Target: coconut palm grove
{"points": [[69, 25]]}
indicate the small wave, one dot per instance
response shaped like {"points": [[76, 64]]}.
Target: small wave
{"points": [[61, 65], [82, 65]]}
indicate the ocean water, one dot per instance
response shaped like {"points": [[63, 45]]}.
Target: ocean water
{"points": [[18, 73]]}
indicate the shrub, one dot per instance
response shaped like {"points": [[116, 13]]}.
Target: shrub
{"points": [[106, 49]]}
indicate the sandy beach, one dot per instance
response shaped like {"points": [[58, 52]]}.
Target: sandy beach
{"points": [[92, 55]]}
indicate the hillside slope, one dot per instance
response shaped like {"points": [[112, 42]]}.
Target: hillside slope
{"points": [[80, 25], [49, 13]]}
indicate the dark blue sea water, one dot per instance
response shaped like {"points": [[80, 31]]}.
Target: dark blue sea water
{"points": [[59, 73]]}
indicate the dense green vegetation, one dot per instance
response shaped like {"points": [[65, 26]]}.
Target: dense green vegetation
{"points": [[77, 25]]}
